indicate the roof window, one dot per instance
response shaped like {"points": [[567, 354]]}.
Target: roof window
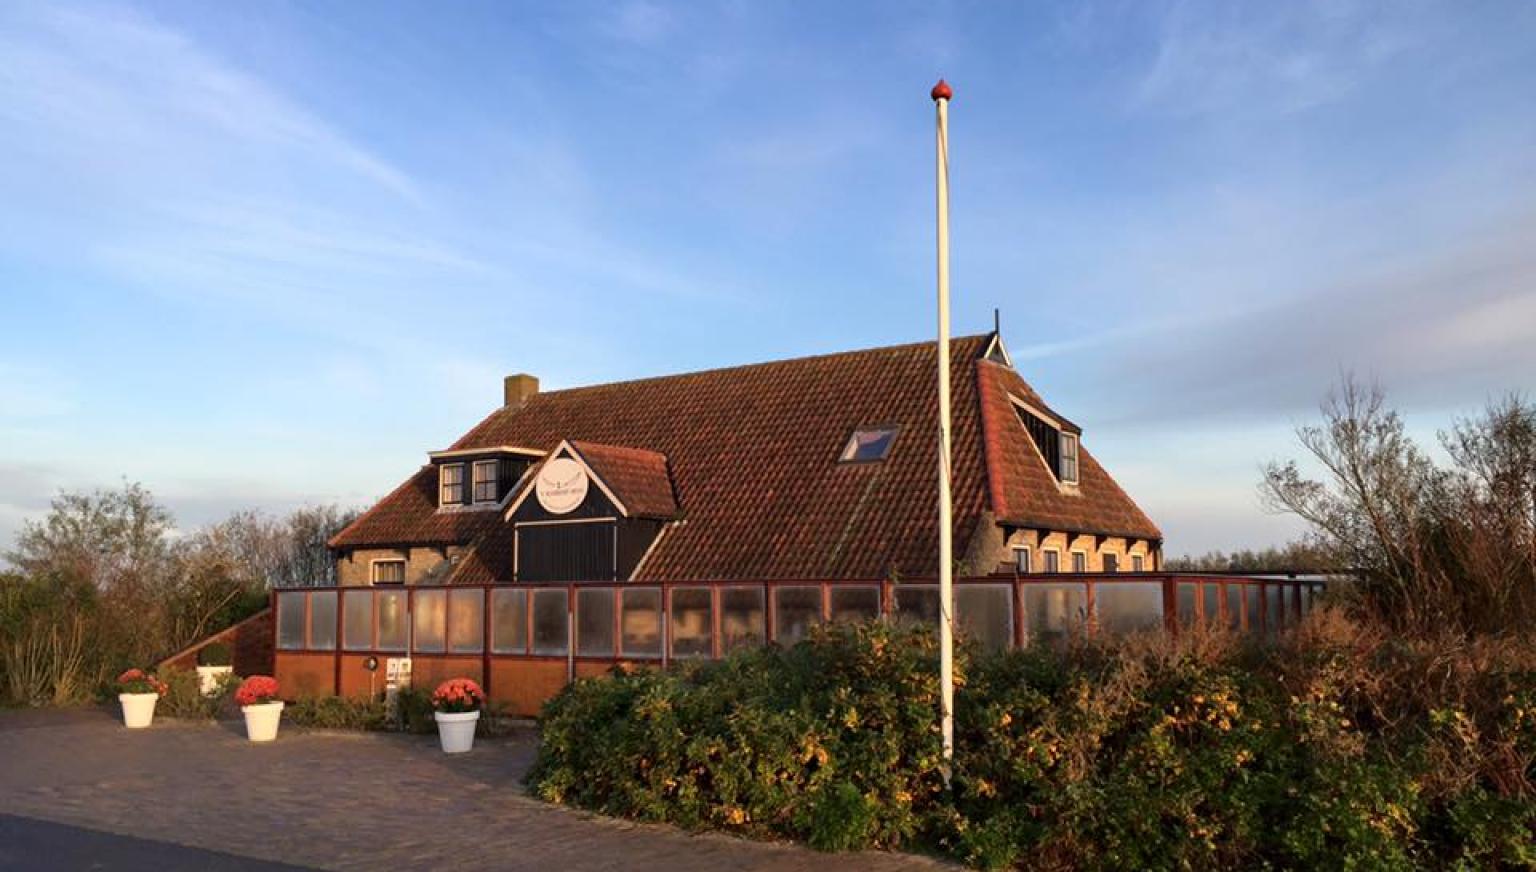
{"points": [[1057, 447], [868, 446]]}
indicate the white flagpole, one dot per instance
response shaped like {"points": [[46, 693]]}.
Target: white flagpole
{"points": [[941, 96]]}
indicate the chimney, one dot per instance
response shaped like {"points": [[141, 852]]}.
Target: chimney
{"points": [[516, 389]]}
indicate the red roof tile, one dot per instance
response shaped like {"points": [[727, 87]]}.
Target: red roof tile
{"points": [[637, 477], [1022, 488], [752, 453]]}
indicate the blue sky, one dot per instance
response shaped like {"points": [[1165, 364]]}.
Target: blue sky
{"points": [[270, 254]]}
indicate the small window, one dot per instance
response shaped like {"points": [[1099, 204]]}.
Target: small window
{"points": [[1052, 560], [388, 572], [1021, 559], [451, 484], [1138, 564], [1111, 562], [1069, 458], [485, 481], [867, 446], [1079, 561]]}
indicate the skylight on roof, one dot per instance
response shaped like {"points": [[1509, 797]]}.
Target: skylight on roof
{"points": [[867, 446]]}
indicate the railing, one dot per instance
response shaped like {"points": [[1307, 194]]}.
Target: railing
{"points": [[664, 621]]}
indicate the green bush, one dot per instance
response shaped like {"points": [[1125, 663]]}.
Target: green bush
{"points": [[1337, 748], [214, 654], [184, 698], [338, 713]]}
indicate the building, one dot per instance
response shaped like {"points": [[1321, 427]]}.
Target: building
{"points": [[813, 468], [649, 521]]}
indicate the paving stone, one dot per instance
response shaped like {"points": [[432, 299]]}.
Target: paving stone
{"points": [[345, 801]]}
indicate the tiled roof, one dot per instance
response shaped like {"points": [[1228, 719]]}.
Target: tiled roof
{"points": [[751, 452], [637, 477], [409, 516], [1022, 489]]}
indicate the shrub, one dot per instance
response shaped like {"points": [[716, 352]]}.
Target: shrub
{"points": [[214, 654], [1341, 747], [339, 713], [184, 697]]}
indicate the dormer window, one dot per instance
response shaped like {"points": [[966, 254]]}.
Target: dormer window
{"points": [[486, 480], [868, 446], [1069, 458], [451, 484], [1057, 447]]}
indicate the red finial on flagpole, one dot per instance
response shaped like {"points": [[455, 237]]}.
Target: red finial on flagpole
{"points": [[942, 91]]}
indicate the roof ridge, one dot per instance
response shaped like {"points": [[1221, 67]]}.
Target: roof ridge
{"points": [[775, 362]]}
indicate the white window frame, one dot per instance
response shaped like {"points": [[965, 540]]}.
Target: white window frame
{"points": [[442, 484], [1026, 565], [1076, 553], [474, 497], [1056, 552], [1138, 563], [1070, 439], [373, 570]]}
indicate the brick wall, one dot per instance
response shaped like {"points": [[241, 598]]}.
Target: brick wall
{"points": [[420, 564]]}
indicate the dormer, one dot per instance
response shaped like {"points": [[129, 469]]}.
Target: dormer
{"points": [[480, 478], [1055, 440]]}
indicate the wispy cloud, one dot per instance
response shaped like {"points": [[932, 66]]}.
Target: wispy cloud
{"points": [[1268, 58]]}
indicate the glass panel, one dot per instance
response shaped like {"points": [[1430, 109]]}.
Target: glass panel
{"points": [[430, 620], [322, 620], [641, 622], [357, 620], [1111, 562], [741, 617], [391, 620], [1306, 598], [1188, 592], [551, 623], [795, 611], [1253, 595], [1211, 596], [1275, 604], [1079, 561], [509, 621], [466, 621], [867, 445], [984, 612], [594, 621], [918, 604], [855, 603], [1054, 610], [1052, 561], [290, 620], [1125, 607], [1234, 606], [693, 627]]}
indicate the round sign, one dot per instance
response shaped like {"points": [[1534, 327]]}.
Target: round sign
{"points": [[561, 486]]}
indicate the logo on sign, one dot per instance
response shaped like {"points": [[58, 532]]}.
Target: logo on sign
{"points": [[561, 486]]}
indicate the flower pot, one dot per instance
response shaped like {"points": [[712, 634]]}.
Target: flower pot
{"points": [[456, 730], [138, 709], [261, 720], [208, 678]]}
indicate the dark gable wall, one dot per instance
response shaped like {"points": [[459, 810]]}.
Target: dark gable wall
{"points": [[591, 551]]}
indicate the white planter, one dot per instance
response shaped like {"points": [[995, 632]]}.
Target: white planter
{"points": [[138, 709], [456, 730], [261, 720], [208, 677]]}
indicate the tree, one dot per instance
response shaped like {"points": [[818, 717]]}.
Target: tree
{"points": [[1436, 547]]}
